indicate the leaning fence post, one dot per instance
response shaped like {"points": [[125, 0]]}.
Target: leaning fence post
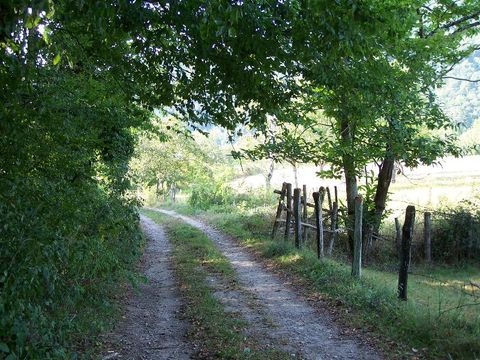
{"points": [[329, 199], [407, 234], [297, 208], [304, 213], [336, 200], [427, 236], [276, 224], [288, 219], [318, 200], [333, 228], [357, 238]]}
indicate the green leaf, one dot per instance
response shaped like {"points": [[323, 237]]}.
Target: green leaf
{"points": [[51, 9], [46, 35], [56, 59]]}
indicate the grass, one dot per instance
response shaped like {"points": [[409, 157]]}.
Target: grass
{"points": [[218, 332], [435, 322]]}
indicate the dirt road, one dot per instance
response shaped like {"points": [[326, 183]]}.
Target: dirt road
{"points": [[309, 333]]}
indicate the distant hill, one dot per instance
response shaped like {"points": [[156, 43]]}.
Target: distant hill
{"points": [[461, 99]]}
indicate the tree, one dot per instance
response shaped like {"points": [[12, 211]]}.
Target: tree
{"points": [[380, 93], [78, 83], [160, 161]]}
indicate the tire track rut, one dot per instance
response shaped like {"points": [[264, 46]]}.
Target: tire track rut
{"points": [[151, 327]]}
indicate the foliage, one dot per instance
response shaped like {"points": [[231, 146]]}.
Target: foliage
{"points": [[69, 229], [211, 193], [159, 161], [456, 232], [460, 98]]}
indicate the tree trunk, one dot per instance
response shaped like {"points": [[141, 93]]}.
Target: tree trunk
{"points": [[157, 189], [383, 184], [172, 193], [268, 177], [352, 192], [164, 190], [295, 174], [357, 253], [351, 185]]}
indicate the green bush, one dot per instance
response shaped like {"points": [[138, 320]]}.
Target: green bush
{"points": [[64, 250], [219, 196], [69, 230], [208, 194], [456, 232]]}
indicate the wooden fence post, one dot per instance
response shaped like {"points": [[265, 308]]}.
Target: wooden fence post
{"points": [[329, 199], [288, 219], [333, 228], [318, 200], [297, 208], [330, 211], [276, 224], [427, 236], [304, 213], [407, 234], [336, 215], [357, 238]]}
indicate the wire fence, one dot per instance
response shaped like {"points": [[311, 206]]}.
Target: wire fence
{"points": [[453, 235], [454, 232]]}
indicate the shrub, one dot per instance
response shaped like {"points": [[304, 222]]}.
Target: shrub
{"points": [[456, 232], [208, 194], [66, 249]]}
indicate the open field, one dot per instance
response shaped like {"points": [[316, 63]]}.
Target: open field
{"points": [[450, 181]]}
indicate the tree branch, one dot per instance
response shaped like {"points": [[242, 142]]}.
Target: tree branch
{"points": [[461, 79], [458, 22], [466, 27]]}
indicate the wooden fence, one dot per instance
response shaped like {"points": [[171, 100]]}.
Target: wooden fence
{"points": [[296, 210], [295, 205]]}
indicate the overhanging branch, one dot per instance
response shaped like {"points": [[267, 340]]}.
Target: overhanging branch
{"points": [[461, 21], [461, 79]]}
